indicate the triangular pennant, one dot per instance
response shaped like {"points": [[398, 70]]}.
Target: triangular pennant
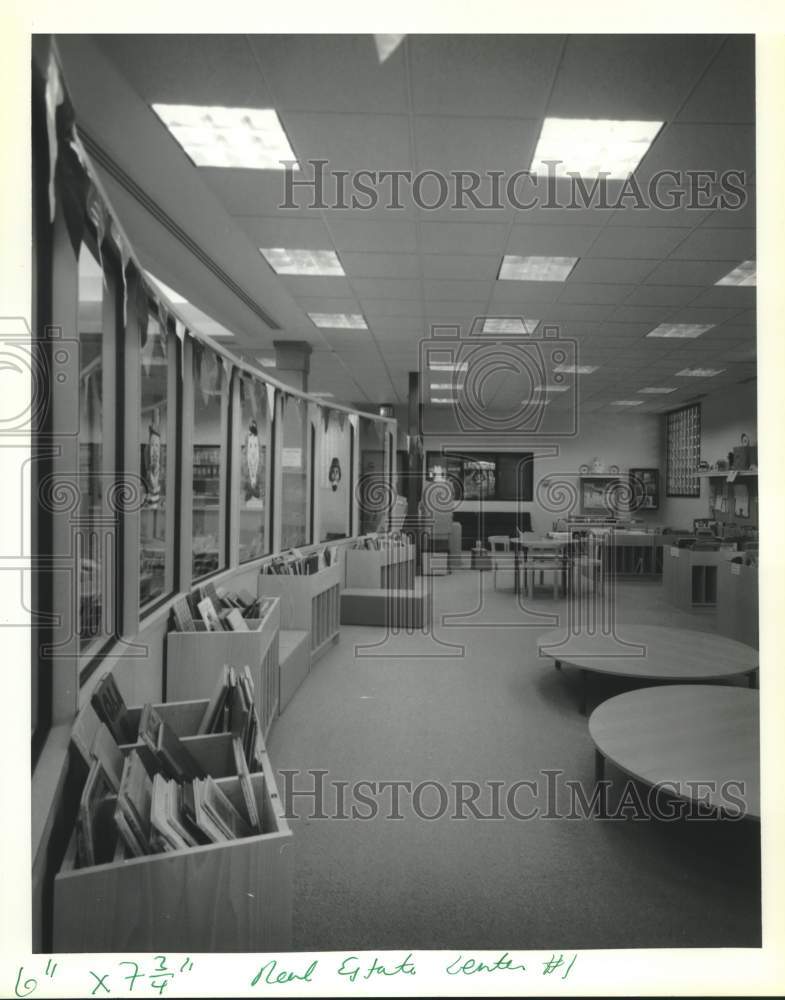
{"points": [[253, 388], [326, 414], [151, 336], [117, 238], [71, 179], [270, 401], [54, 96], [227, 373], [97, 214], [179, 330]]}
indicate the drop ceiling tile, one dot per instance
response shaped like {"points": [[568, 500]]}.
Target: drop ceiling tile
{"points": [[349, 142], [291, 233], [461, 266], [556, 241], [516, 73], [380, 265], [316, 287], [695, 314], [594, 293], [742, 214], [619, 270], [331, 73], [689, 272], [665, 218], [459, 238], [438, 309], [718, 244], [447, 144], [458, 291], [638, 77], [387, 288], [359, 236], [258, 193], [328, 304], [373, 308], [525, 292], [727, 296], [661, 295], [564, 311], [649, 242], [726, 93], [641, 314]]}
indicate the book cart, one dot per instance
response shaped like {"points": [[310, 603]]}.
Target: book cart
{"points": [[308, 602], [391, 568], [194, 661]]}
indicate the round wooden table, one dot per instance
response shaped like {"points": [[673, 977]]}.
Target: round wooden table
{"points": [[669, 654], [681, 734]]}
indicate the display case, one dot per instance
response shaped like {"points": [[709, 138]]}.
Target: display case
{"points": [[645, 487]]}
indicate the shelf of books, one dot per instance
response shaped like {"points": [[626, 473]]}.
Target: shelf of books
{"points": [[380, 562], [308, 585], [195, 657], [179, 805]]}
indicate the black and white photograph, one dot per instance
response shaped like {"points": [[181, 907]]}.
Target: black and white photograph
{"points": [[443, 347]]}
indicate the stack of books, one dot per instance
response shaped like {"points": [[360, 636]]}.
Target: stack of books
{"points": [[212, 610], [294, 562], [231, 709]]}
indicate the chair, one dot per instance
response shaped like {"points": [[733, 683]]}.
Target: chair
{"points": [[501, 556], [542, 558], [445, 535]]}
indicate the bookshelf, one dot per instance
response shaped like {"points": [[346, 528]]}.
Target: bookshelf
{"points": [[309, 602], [689, 578], [192, 900], [194, 661], [737, 602], [390, 568]]}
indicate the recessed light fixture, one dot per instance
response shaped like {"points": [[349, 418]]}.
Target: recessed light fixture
{"points": [[550, 388], [592, 147], [449, 366], [535, 268], [576, 369], [505, 324], [658, 390], [446, 385], [174, 297], [744, 275], [386, 45], [252, 138], [627, 402], [339, 321], [685, 331], [701, 372], [311, 263], [443, 399]]}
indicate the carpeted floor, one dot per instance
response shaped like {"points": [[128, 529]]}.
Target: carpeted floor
{"points": [[486, 708]]}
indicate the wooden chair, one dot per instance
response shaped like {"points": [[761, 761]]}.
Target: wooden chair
{"points": [[501, 556]]}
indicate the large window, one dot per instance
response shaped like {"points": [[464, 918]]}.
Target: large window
{"points": [[683, 441], [93, 540], [209, 462], [252, 470], [373, 474], [154, 434], [334, 475], [294, 473]]}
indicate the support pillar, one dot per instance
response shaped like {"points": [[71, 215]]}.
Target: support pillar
{"points": [[293, 362]]}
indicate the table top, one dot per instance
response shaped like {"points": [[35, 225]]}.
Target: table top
{"points": [[539, 543], [668, 653], [685, 732]]}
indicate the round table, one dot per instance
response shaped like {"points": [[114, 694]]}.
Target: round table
{"points": [[685, 733], [670, 654]]}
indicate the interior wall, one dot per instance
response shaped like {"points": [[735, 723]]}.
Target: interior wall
{"points": [[628, 441], [724, 418]]}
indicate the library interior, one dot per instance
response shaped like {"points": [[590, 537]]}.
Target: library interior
{"points": [[395, 492]]}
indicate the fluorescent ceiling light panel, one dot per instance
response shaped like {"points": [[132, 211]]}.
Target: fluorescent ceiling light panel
{"points": [[174, 297], [684, 331], [339, 321], [250, 138], [504, 324], [550, 388], [311, 263], [744, 275], [576, 369], [701, 372], [535, 268], [443, 399], [658, 390], [592, 147], [446, 385], [449, 366], [627, 402]]}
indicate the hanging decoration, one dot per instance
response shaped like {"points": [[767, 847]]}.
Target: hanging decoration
{"points": [[151, 338], [97, 214], [270, 401], [180, 332], [54, 97], [341, 414], [227, 367], [326, 415], [119, 241]]}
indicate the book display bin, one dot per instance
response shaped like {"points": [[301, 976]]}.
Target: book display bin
{"points": [[309, 602], [389, 568], [194, 661]]}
